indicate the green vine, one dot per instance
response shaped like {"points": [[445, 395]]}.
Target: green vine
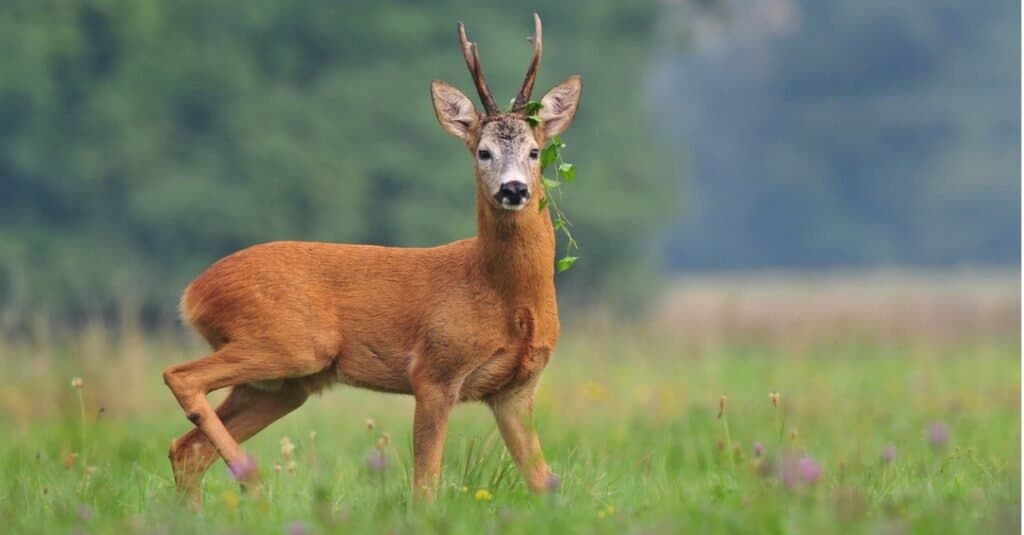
{"points": [[565, 173]]}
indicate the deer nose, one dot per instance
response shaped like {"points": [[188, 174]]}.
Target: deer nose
{"points": [[513, 193]]}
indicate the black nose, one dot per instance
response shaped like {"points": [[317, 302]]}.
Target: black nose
{"points": [[513, 193]]}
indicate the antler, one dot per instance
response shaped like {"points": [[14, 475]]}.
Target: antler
{"points": [[531, 74], [473, 63]]}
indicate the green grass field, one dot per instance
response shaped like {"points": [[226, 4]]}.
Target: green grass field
{"points": [[628, 419]]}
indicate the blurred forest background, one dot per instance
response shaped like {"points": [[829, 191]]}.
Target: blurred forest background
{"points": [[140, 141]]}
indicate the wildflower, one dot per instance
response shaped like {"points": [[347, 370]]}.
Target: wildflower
{"points": [[230, 499], [758, 449], [938, 435], [800, 471], [808, 470], [90, 470], [383, 441], [553, 482], [889, 454], [278, 468], [287, 447], [774, 398], [594, 391], [465, 488], [70, 460], [243, 467], [722, 401], [76, 383], [483, 495], [370, 424], [298, 528], [84, 512], [376, 461]]}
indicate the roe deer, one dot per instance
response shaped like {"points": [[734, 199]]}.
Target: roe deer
{"points": [[473, 320]]}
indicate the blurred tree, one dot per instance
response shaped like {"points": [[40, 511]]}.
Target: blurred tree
{"points": [[140, 141], [851, 133]]}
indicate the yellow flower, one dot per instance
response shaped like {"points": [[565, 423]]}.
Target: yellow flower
{"points": [[594, 391], [483, 495], [230, 499]]}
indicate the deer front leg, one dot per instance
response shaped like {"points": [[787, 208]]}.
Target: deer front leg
{"points": [[430, 424], [514, 414]]}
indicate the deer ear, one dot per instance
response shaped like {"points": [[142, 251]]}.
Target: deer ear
{"points": [[454, 110], [560, 105]]}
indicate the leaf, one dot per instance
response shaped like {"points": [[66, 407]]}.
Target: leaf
{"points": [[548, 156], [567, 171], [543, 203], [533, 106], [565, 263], [534, 120], [550, 184], [557, 142], [559, 223]]}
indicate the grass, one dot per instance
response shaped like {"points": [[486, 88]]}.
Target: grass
{"points": [[627, 418]]}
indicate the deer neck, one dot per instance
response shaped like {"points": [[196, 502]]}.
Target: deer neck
{"points": [[516, 250]]}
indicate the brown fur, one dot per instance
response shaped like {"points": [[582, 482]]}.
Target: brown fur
{"points": [[472, 320]]}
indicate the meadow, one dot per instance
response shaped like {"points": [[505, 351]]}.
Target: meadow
{"points": [[895, 413]]}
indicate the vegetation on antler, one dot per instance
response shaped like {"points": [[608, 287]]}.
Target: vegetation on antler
{"points": [[565, 173]]}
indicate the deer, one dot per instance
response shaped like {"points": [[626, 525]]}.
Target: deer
{"points": [[474, 320]]}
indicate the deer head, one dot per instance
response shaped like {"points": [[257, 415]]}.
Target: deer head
{"points": [[505, 145]]}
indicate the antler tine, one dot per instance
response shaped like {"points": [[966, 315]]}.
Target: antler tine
{"points": [[469, 51], [531, 74]]}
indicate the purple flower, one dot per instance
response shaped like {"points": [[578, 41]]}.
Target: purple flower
{"points": [[808, 470], [889, 454], [243, 467], [799, 471], [298, 528], [938, 435], [758, 449], [376, 461]]}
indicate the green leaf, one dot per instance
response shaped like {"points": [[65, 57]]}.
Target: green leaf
{"points": [[567, 171], [548, 156], [550, 184], [559, 223], [543, 203], [534, 120], [565, 263], [557, 141], [533, 106]]}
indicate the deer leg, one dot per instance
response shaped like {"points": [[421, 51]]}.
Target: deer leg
{"points": [[514, 414], [231, 365], [430, 424], [245, 412]]}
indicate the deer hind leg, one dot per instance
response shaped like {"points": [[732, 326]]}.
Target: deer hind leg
{"points": [[514, 414], [233, 364], [245, 412]]}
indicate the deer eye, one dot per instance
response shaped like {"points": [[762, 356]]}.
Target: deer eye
{"points": [[483, 154], [534, 153]]}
